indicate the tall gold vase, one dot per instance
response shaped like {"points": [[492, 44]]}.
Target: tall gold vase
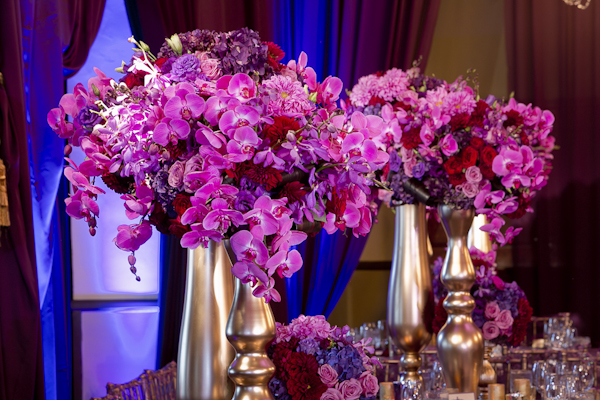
{"points": [[459, 342], [204, 352], [410, 288], [250, 329]]}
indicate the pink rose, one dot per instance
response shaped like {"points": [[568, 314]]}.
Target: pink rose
{"points": [[350, 389], [176, 174], [490, 330], [473, 174], [504, 320], [470, 189], [369, 384], [332, 394], [499, 283], [492, 310], [328, 375], [209, 66]]}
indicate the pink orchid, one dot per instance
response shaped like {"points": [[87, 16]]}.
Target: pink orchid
{"points": [[267, 291], [81, 205], [184, 105], [216, 189], [131, 237], [171, 131], [242, 87], [448, 145], [249, 272], [243, 144], [57, 120], [329, 91], [506, 161], [287, 238], [140, 204], [222, 217], [249, 247], [79, 180], [206, 136], [286, 264], [199, 236], [239, 117], [217, 105]]}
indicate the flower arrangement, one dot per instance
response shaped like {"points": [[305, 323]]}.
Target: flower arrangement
{"points": [[215, 139], [315, 360], [466, 152], [501, 311]]}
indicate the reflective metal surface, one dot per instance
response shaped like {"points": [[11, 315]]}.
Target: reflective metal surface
{"points": [[496, 391], [250, 329], [488, 374], [459, 342], [204, 352], [410, 288], [478, 238]]}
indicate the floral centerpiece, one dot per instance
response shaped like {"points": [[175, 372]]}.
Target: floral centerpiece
{"points": [[465, 151], [501, 311], [213, 139], [315, 360]]}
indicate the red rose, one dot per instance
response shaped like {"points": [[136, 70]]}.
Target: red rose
{"points": [[477, 143], [181, 203], [160, 61], [519, 329], [453, 165], [457, 179], [479, 114], [486, 171], [459, 121], [469, 157], [177, 229], [513, 118], [133, 80], [488, 154], [401, 105], [411, 139]]}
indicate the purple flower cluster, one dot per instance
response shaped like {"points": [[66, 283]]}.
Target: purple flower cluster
{"points": [[469, 153], [212, 143], [333, 367]]}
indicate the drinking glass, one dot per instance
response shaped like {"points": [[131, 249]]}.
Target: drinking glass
{"points": [[584, 371], [412, 390], [538, 371], [553, 390], [438, 381], [370, 330]]}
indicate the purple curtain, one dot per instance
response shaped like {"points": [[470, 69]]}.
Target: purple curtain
{"points": [[34, 35], [21, 362], [553, 59]]}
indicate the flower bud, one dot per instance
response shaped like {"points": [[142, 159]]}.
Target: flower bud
{"points": [[92, 222], [68, 149], [144, 46], [175, 44], [131, 260], [95, 90], [92, 231], [291, 137], [153, 149], [133, 269]]}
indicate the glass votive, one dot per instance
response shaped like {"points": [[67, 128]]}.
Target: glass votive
{"points": [[386, 391], [496, 391], [514, 396], [522, 386]]}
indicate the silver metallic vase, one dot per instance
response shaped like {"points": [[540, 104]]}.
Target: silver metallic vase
{"points": [[250, 329], [204, 352], [410, 289], [459, 342]]}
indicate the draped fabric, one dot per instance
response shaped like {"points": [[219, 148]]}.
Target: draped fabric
{"points": [[553, 59], [21, 362], [34, 35], [348, 39]]}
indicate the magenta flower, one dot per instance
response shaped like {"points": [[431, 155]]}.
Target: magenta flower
{"points": [[171, 130], [328, 375], [504, 320], [131, 237], [329, 91], [242, 87], [243, 144], [288, 98], [490, 330], [286, 264], [506, 161], [426, 135], [81, 205], [217, 105], [267, 291], [139, 204], [57, 120], [250, 248], [184, 105], [249, 272], [286, 237], [491, 310], [448, 145], [199, 236], [238, 117], [222, 217], [215, 188]]}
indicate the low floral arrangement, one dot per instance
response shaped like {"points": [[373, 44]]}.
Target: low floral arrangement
{"points": [[501, 311], [467, 152], [315, 360], [215, 139]]}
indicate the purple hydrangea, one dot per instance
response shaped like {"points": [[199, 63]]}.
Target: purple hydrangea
{"points": [[185, 68]]}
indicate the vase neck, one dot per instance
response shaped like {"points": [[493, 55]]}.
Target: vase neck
{"points": [[456, 223]]}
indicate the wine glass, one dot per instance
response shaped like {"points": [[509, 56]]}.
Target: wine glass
{"points": [[553, 390], [539, 371], [412, 390], [584, 371]]}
